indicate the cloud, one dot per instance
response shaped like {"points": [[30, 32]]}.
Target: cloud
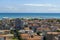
{"points": [[30, 8], [41, 5], [54, 9], [9, 8]]}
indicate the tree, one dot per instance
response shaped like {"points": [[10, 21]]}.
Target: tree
{"points": [[16, 34], [38, 33], [57, 30], [58, 20]]}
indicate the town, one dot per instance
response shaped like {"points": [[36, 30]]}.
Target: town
{"points": [[30, 28]]}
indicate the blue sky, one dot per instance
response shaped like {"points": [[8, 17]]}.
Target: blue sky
{"points": [[29, 6]]}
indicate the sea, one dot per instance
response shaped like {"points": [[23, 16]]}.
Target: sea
{"points": [[30, 15]]}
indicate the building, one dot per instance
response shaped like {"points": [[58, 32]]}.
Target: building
{"points": [[5, 23], [58, 37], [5, 20], [18, 24]]}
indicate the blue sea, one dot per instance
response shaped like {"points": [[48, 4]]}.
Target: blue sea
{"points": [[43, 15]]}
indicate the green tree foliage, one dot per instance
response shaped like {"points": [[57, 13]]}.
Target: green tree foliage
{"points": [[57, 30], [16, 35], [58, 20]]}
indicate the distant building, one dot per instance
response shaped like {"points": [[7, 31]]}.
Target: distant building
{"points": [[58, 37], [5, 23], [5, 20], [1, 38], [50, 37], [18, 24], [26, 31]]}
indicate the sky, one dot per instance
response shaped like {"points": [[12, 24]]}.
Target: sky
{"points": [[29, 6]]}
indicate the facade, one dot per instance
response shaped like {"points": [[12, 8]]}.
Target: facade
{"points": [[58, 37], [1, 38], [5, 23], [18, 24]]}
